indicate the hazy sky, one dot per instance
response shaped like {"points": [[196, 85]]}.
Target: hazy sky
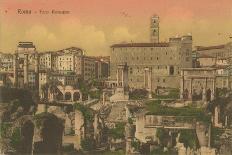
{"points": [[96, 24]]}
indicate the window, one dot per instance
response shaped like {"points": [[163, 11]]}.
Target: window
{"points": [[163, 80], [171, 70], [157, 58]]}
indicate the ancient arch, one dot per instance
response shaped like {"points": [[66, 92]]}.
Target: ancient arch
{"points": [[49, 135], [67, 96], [59, 96], [26, 127], [27, 133], [208, 95], [76, 96], [186, 94]]}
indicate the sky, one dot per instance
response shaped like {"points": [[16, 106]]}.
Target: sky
{"points": [[94, 25]]}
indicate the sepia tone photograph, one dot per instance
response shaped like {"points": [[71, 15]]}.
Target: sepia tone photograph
{"points": [[115, 77]]}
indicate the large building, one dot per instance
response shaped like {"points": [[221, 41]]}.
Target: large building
{"points": [[6, 62], [73, 60], [164, 59]]}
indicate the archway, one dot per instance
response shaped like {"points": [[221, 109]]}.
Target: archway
{"points": [[59, 96], [76, 96], [185, 94], [51, 132], [27, 132], [67, 96], [208, 95]]}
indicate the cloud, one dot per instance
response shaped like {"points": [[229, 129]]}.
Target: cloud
{"points": [[122, 34]]}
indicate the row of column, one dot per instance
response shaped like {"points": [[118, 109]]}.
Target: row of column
{"points": [[122, 76], [190, 88], [25, 70]]}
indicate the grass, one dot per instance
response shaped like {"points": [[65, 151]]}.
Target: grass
{"points": [[155, 108], [118, 131], [173, 94]]}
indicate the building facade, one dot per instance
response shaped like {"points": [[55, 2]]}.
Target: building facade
{"points": [[164, 59]]}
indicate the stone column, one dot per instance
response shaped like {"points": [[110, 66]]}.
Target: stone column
{"points": [[190, 89], [80, 96], [36, 71], [125, 76], [103, 98], [117, 77], [15, 65], [204, 98], [72, 96], [25, 70], [182, 85], [122, 77], [150, 82], [213, 89]]}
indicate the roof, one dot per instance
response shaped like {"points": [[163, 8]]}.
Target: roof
{"points": [[203, 48], [205, 56], [26, 45], [164, 44]]}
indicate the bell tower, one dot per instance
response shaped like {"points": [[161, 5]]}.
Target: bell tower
{"points": [[154, 29]]}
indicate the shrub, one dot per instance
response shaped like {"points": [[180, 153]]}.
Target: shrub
{"points": [[87, 144], [87, 113], [189, 138], [118, 131], [15, 138], [138, 94]]}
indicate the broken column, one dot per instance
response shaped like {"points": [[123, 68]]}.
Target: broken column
{"points": [[37, 71], [25, 70], [204, 95], [213, 89], [190, 89], [148, 80], [15, 65], [182, 85]]}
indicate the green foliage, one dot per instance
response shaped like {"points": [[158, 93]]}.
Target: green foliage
{"points": [[67, 147], [221, 92], [215, 136], [160, 151], [119, 152], [130, 121], [155, 108], [22, 96], [15, 139], [135, 144], [87, 113], [87, 144], [160, 133], [118, 131], [163, 136], [95, 94], [172, 94], [189, 138], [138, 94], [4, 129]]}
